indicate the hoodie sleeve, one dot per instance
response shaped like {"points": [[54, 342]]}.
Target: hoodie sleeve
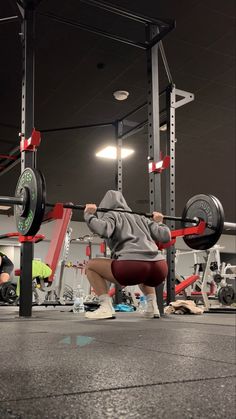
{"points": [[159, 232], [104, 226]]}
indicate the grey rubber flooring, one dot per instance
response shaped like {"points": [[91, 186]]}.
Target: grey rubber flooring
{"points": [[59, 365]]}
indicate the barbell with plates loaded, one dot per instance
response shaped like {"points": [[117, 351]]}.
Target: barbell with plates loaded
{"points": [[30, 204]]}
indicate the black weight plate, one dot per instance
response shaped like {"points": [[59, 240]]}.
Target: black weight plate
{"points": [[217, 278], [8, 292], [220, 213], [226, 295], [209, 209], [28, 223]]}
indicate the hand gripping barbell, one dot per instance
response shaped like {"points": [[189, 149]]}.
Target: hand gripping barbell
{"points": [[30, 204]]}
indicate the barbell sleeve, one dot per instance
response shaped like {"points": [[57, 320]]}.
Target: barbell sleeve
{"points": [[11, 200], [230, 226]]}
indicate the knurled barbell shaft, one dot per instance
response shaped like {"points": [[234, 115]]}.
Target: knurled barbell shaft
{"points": [[20, 201], [148, 215], [10, 200], [82, 207]]}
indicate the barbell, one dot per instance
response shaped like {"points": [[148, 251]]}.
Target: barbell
{"points": [[30, 204]]}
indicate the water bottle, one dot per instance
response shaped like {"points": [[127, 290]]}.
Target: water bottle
{"points": [[142, 304], [78, 306]]}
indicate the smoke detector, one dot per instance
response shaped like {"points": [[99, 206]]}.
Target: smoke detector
{"points": [[121, 94]]}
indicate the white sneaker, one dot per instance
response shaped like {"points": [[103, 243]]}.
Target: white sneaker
{"points": [[152, 310], [103, 312]]}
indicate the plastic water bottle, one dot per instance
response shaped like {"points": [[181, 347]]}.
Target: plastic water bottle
{"points": [[78, 306], [142, 304]]}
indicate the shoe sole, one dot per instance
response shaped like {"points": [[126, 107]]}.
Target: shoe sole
{"points": [[101, 318], [152, 316]]}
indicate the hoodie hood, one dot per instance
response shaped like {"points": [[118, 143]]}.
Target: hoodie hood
{"points": [[128, 236], [113, 200]]}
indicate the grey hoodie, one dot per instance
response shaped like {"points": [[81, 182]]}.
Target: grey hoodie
{"points": [[129, 236]]}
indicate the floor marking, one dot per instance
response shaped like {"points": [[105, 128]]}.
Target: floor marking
{"points": [[77, 340]]}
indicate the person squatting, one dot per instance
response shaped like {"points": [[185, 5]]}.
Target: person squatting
{"points": [[135, 258]]}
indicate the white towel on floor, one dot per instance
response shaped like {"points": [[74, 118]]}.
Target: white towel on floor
{"points": [[183, 307]]}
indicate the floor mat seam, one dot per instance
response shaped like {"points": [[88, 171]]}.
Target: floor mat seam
{"points": [[119, 388]]}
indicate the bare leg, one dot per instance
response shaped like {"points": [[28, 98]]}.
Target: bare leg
{"points": [[146, 290], [98, 271], [4, 277], [97, 282]]}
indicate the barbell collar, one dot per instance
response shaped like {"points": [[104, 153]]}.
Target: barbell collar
{"points": [[11, 200]]}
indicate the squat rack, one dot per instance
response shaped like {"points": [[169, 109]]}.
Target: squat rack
{"points": [[156, 30], [174, 98]]}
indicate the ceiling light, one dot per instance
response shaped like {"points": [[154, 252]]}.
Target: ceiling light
{"points": [[111, 153], [125, 152], [163, 127], [4, 208], [121, 95]]}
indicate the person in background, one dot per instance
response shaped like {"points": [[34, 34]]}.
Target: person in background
{"points": [[6, 268], [135, 258], [40, 271]]}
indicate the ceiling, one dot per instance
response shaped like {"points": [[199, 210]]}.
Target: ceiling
{"points": [[76, 74]]}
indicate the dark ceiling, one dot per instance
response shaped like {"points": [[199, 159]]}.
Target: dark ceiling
{"points": [[76, 75]]}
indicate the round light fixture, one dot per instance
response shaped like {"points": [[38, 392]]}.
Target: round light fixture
{"points": [[121, 95]]}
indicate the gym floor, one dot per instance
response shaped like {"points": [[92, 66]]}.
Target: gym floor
{"points": [[59, 365]]}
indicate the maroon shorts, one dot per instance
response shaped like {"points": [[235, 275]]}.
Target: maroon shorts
{"points": [[133, 272]]}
